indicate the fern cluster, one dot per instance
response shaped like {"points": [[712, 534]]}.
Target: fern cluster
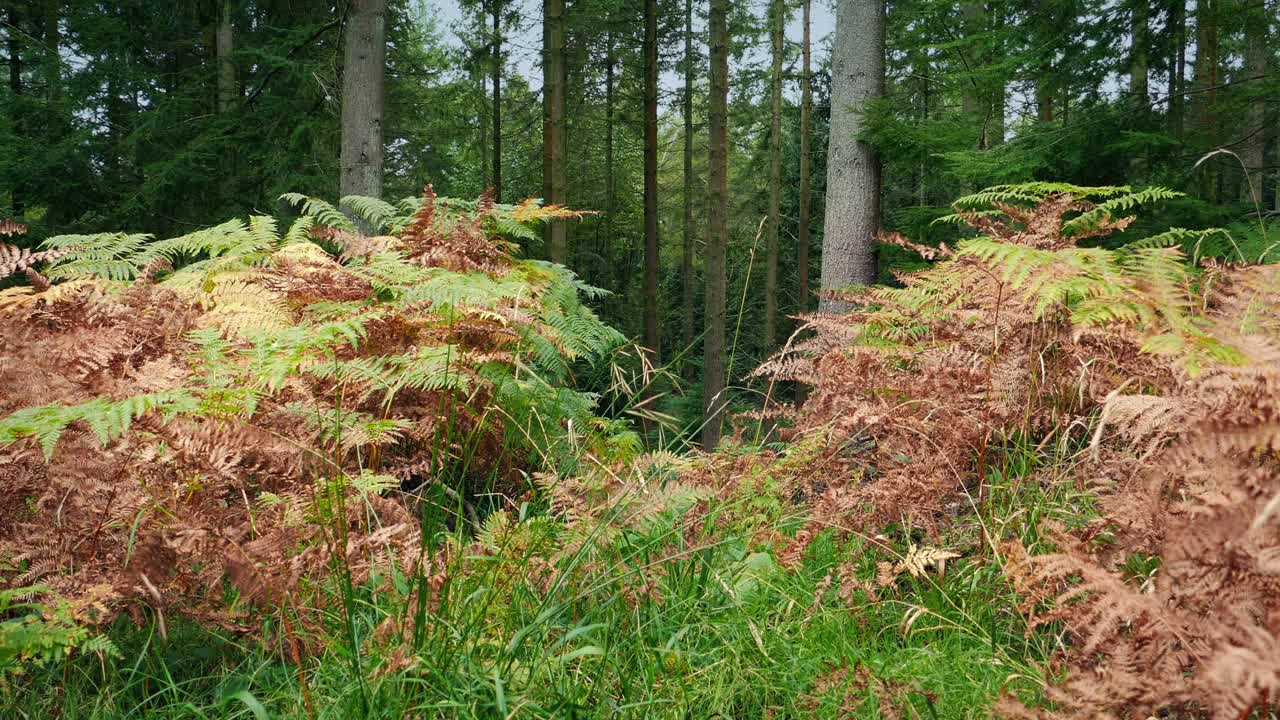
{"points": [[1022, 331], [190, 398]]}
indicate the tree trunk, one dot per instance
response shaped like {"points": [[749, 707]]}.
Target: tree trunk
{"points": [[1206, 83], [610, 182], [17, 197], [1138, 80], [224, 44], [554, 147], [1178, 67], [713, 344], [806, 160], [686, 259], [610, 179], [1138, 83], [806, 175], [53, 57], [363, 71], [1255, 136], [995, 21], [483, 112], [1044, 92], [778, 13], [496, 7], [973, 99], [849, 240], [651, 336]]}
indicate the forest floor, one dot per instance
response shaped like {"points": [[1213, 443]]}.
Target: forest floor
{"points": [[727, 633]]}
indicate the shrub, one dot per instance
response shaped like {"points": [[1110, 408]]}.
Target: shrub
{"points": [[241, 403]]}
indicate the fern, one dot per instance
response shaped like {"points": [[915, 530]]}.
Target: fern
{"points": [[107, 419], [321, 211], [111, 256], [378, 213]]}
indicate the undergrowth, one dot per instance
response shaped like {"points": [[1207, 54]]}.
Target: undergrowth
{"points": [[1036, 478]]}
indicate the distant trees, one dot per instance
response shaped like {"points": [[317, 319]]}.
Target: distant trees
{"points": [[175, 114]]}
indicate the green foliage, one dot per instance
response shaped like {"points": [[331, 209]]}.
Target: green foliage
{"points": [[34, 635], [108, 419]]}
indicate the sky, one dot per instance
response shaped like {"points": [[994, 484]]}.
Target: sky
{"points": [[526, 45]]}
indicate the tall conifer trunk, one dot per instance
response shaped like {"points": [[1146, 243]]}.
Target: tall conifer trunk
{"points": [[1178, 67], [496, 68], [17, 196], [1206, 100], [806, 160], [363, 77], [554, 147], [651, 336], [224, 45], [52, 50], [849, 238], [686, 259], [1255, 137], [777, 19], [1138, 34], [713, 344]]}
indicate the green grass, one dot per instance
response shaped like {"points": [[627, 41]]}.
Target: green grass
{"points": [[726, 632]]}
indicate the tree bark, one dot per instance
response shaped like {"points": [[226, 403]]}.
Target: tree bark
{"points": [[1139, 100], [224, 45], [363, 75], [496, 7], [852, 221], [1255, 136], [1044, 92], [686, 259], [972, 100], [778, 20], [17, 196], [806, 160], [1178, 67], [1138, 33], [53, 57], [652, 339], [713, 344], [1206, 83], [554, 147], [996, 53], [610, 182]]}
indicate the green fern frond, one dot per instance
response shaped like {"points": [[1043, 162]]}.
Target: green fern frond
{"points": [[323, 212], [299, 231], [378, 213], [111, 256], [108, 419], [1120, 202], [390, 273]]}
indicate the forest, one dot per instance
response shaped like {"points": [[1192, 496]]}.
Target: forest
{"points": [[672, 359]]}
